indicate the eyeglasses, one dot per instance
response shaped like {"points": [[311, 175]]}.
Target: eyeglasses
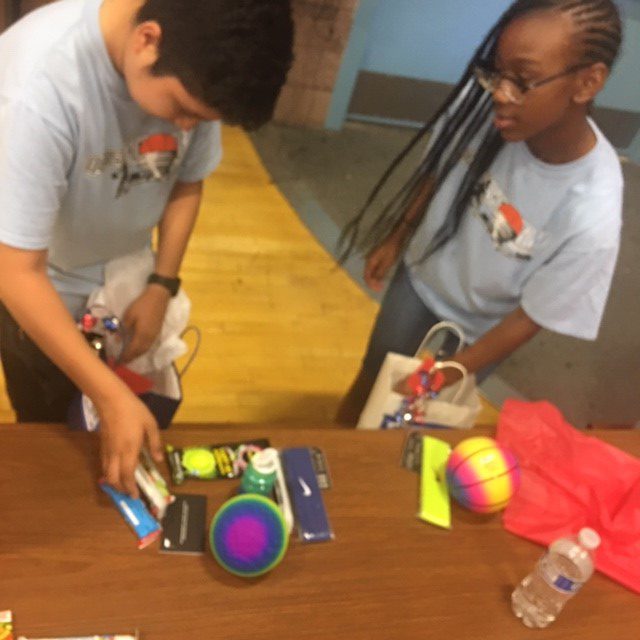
{"points": [[514, 88]]}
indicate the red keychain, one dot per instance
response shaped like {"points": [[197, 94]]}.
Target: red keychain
{"points": [[426, 379]]}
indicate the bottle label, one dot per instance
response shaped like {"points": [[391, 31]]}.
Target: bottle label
{"points": [[557, 580], [565, 585]]}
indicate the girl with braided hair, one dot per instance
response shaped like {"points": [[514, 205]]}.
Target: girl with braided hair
{"points": [[511, 220]]}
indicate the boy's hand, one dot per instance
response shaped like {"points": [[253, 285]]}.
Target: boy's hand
{"points": [[124, 427], [143, 321], [380, 261]]}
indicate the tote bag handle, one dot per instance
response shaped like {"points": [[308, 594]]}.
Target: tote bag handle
{"points": [[440, 326], [450, 364]]}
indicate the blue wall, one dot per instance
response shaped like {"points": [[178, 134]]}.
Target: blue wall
{"points": [[428, 39], [434, 39]]}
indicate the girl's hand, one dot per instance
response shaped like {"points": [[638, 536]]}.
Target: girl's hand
{"points": [[143, 321], [380, 261], [443, 378]]}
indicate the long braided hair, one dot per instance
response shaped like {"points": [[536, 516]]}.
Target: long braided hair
{"points": [[465, 113]]}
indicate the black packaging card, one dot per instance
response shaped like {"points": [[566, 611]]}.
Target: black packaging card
{"points": [[412, 451], [212, 462], [320, 466], [183, 526]]}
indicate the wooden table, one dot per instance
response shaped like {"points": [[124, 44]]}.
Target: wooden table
{"points": [[69, 565]]}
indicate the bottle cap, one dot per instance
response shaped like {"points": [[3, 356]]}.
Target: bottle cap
{"points": [[265, 461], [589, 538]]}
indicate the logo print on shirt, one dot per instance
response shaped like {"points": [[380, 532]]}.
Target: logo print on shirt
{"points": [[510, 233], [146, 159]]}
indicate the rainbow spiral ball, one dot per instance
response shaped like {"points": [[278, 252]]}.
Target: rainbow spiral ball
{"points": [[482, 475], [248, 535]]}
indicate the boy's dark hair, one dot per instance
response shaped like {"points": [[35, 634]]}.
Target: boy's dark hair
{"points": [[598, 34], [233, 55]]}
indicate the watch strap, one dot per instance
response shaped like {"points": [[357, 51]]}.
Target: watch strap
{"points": [[172, 285]]}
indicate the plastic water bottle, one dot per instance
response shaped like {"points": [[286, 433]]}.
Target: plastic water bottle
{"points": [[558, 575]]}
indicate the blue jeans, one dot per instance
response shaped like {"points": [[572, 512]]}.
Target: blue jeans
{"points": [[402, 323]]}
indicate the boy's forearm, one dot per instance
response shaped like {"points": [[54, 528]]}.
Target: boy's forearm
{"points": [[176, 227], [511, 333]]}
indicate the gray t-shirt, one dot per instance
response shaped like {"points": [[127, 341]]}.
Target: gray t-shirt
{"points": [[84, 172], [541, 236]]}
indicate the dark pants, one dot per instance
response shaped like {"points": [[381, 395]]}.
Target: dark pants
{"points": [[401, 325], [38, 390]]}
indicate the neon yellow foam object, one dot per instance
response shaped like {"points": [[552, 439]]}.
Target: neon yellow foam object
{"points": [[435, 503], [199, 460]]}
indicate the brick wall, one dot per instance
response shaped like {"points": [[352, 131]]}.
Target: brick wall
{"points": [[322, 32]]}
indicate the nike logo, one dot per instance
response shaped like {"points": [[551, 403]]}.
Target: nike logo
{"points": [[306, 490]]}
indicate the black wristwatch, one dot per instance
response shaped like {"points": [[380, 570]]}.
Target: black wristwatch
{"points": [[172, 285]]}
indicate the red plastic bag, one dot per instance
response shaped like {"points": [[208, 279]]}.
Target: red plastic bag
{"points": [[570, 480]]}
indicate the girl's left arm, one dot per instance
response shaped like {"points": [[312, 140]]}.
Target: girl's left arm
{"points": [[495, 345], [512, 332], [144, 317]]}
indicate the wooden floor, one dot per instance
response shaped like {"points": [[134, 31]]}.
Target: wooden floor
{"points": [[283, 328]]}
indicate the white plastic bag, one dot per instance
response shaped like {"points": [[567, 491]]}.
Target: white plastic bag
{"points": [[125, 280]]}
